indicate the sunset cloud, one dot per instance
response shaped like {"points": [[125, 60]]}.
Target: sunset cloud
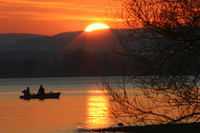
{"points": [[52, 11], [45, 9]]}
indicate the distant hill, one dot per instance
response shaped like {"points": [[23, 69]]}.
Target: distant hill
{"points": [[11, 38], [67, 34], [97, 41]]}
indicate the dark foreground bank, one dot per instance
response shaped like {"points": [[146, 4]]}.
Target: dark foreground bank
{"points": [[166, 128]]}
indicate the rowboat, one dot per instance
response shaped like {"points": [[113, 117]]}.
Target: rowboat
{"points": [[50, 95]]}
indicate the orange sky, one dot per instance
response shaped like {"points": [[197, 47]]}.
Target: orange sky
{"points": [[50, 17]]}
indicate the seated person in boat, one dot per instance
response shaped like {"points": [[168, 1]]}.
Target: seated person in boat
{"points": [[26, 92], [41, 90]]}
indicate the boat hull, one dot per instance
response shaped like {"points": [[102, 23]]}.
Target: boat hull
{"points": [[41, 96]]}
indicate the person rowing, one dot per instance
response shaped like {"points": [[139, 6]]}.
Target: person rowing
{"points": [[26, 92], [41, 90]]}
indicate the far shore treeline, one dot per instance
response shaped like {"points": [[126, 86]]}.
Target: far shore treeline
{"points": [[49, 64]]}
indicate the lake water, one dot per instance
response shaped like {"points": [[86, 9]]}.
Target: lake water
{"points": [[82, 104]]}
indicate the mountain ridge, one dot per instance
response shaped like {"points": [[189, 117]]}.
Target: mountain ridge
{"points": [[10, 38], [93, 41]]}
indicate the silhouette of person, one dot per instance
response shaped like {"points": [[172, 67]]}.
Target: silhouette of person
{"points": [[26, 92], [41, 90]]}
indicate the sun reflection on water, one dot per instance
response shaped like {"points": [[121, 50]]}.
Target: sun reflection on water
{"points": [[97, 110]]}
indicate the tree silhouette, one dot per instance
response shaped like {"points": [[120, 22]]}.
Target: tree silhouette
{"points": [[163, 39]]}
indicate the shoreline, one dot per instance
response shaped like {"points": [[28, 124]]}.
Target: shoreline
{"points": [[165, 128]]}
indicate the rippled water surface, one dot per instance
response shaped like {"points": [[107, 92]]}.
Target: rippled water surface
{"points": [[82, 104]]}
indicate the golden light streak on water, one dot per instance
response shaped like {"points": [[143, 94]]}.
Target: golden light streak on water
{"points": [[97, 110]]}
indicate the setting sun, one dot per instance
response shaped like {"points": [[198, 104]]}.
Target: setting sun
{"points": [[96, 26]]}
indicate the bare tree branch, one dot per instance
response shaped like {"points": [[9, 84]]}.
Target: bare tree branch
{"points": [[162, 37]]}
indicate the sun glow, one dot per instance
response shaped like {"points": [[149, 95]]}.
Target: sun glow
{"points": [[96, 26]]}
